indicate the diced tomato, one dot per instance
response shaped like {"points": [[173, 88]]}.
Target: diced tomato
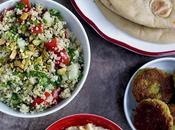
{"points": [[63, 57], [46, 103], [52, 44], [26, 2], [47, 94], [37, 101], [37, 29], [27, 9], [56, 93], [56, 101]]}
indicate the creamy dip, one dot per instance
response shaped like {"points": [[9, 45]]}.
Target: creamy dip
{"points": [[86, 127]]}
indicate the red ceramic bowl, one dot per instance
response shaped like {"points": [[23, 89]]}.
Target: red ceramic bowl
{"points": [[83, 119]]}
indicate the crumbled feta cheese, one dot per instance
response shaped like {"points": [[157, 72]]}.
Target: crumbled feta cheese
{"points": [[24, 108], [73, 71], [21, 43], [32, 80], [48, 18]]}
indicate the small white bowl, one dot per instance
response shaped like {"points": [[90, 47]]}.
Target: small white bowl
{"points": [[77, 28], [166, 64]]}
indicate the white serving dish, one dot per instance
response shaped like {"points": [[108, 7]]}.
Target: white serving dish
{"points": [[89, 11], [77, 28]]}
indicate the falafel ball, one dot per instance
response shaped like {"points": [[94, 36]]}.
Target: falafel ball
{"points": [[153, 114], [172, 110], [153, 83]]}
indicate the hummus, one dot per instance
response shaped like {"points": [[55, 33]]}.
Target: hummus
{"points": [[86, 127]]}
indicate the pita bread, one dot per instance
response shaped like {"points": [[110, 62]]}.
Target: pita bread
{"points": [[150, 13], [136, 30]]}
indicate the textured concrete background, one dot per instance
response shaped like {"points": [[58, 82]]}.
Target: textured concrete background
{"points": [[102, 94]]}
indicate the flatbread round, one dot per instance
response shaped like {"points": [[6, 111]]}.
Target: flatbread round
{"points": [[150, 13], [136, 30]]}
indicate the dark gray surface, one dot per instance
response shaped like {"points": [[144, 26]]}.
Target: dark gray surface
{"points": [[102, 94]]}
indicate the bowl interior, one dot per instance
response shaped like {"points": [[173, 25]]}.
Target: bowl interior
{"points": [[166, 64], [76, 27], [83, 119]]}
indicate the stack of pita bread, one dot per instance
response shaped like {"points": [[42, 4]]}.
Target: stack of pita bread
{"points": [[149, 20]]}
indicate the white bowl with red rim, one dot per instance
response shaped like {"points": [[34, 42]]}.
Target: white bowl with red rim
{"points": [[90, 12]]}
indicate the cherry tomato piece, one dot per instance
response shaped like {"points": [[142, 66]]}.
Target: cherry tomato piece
{"points": [[63, 57], [37, 101], [47, 94], [27, 9], [56, 93], [37, 29], [26, 2], [52, 44]]}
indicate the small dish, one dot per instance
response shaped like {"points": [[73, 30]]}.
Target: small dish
{"points": [[83, 119], [166, 64]]}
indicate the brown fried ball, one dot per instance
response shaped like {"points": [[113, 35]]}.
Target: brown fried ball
{"points": [[153, 114], [152, 83], [172, 110]]}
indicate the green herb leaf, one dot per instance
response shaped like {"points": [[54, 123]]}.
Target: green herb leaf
{"points": [[15, 100], [36, 22], [20, 6], [71, 53], [23, 28], [44, 81], [14, 29], [14, 96], [3, 85], [37, 74], [56, 13]]}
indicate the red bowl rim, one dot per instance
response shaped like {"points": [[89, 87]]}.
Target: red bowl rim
{"points": [[85, 115]]}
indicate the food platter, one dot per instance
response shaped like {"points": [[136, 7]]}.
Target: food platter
{"points": [[93, 16]]}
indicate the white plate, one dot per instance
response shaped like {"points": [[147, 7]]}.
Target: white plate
{"points": [[89, 11], [166, 64]]}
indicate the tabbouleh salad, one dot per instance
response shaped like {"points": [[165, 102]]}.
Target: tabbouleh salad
{"points": [[40, 59]]}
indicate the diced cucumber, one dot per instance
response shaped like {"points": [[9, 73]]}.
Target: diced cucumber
{"points": [[21, 43], [73, 71], [36, 42], [3, 85], [23, 28], [48, 19], [44, 81]]}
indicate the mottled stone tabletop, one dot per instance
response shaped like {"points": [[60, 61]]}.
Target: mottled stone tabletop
{"points": [[102, 94]]}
